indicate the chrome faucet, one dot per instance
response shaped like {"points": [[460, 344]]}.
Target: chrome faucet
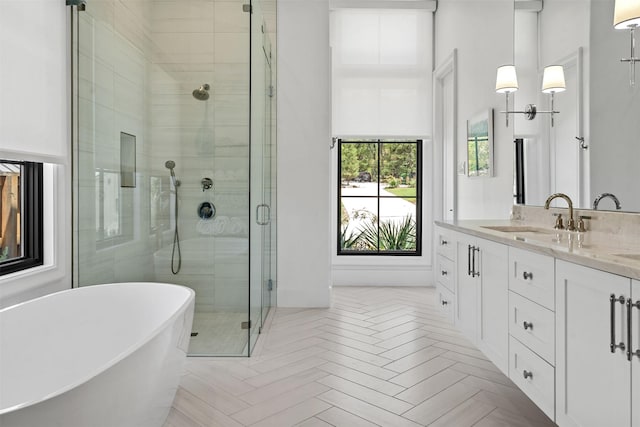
{"points": [[602, 196], [571, 225]]}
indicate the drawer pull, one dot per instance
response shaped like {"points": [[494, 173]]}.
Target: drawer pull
{"points": [[527, 276], [613, 346], [527, 374], [444, 272], [443, 242], [630, 352], [445, 302], [527, 325]]}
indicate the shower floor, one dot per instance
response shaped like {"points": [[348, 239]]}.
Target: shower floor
{"points": [[219, 334]]}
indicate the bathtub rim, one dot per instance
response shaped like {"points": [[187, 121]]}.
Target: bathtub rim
{"points": [[119, 357]]}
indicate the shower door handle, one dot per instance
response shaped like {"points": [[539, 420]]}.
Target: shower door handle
{"points": [[268, 216]]}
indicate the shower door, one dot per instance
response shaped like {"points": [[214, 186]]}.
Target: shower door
{"points": [[262, 181]]}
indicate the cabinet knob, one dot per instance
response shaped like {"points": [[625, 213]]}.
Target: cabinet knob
{"points": [[527, 325], [443, 242], [527, 374], [527, 275], [444, 302], [444, 272]]}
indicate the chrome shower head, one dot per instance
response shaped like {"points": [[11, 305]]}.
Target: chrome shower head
{"points": [[170, 164], [202, 93]]}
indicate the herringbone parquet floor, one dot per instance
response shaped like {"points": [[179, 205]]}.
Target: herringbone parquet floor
{"points": [[377, 357]]}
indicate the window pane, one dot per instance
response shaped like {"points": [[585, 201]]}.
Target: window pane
{"points": [[398, 168], [10, 211], [359, 169], [397, 224], [358, 224]]}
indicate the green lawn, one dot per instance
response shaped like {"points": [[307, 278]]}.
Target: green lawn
{"points": [[406, 193]]}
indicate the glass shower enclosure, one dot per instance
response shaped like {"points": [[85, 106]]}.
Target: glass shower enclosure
{"points": [[174, 156]]}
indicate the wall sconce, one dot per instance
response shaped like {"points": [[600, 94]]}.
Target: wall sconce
{"points": [[626, 15], [506, 82], [552, 82]]}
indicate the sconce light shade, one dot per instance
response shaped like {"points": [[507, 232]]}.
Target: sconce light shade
{"points": [[506, 79], [626, 14], [553, 79]]}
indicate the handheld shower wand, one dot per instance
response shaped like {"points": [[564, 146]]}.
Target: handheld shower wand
{"points": [[170, 164]]}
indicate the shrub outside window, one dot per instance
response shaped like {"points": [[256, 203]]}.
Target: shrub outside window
{"points": [[379, 195], [21, 227]]}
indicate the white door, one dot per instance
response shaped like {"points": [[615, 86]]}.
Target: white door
{"points": [[493, 303], [444, 133], [593, 385], [467, 285]]}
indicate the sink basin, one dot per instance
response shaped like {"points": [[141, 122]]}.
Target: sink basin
{"points": [[635, 257], [517, 229]]}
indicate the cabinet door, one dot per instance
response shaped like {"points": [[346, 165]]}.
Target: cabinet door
{"points": [[466, 292], [593, 385], [493, 303], [635, 362]]}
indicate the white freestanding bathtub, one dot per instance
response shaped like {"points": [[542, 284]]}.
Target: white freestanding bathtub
{"points": [[100, 356]]}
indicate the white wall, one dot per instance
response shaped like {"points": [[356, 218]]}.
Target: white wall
{"points": [[42, 29], [482, 33], [304, 134]]}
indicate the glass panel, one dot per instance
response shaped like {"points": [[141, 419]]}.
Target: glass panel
{"points": [[10, 211], [359, 223], [359, 168], [397, 224]]}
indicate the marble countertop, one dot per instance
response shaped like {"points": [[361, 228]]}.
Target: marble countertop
{"points": [[603, 251]]}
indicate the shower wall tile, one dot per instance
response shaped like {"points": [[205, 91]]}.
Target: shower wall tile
{"points": [[226, 135], [231, 79], [231, 110], [231, 48], [229, 18]]}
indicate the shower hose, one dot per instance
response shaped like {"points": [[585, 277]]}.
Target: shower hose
{"points": [[176, 238]]}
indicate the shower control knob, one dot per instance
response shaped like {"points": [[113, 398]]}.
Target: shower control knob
{"points": [[206, 210]]}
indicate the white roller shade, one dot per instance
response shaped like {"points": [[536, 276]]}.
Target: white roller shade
{"points": [[33, 80], [381, 72]]}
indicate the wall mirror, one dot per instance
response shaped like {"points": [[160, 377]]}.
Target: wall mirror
{"points": [[594, 145], [480, 144]]}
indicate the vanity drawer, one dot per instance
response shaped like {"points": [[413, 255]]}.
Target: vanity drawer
{"points": [[444, 244], [539, 383], [533, 325], [445, 272], [445, 301], [532, 276]]}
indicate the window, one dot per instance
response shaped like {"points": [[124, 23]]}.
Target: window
{"points": [[21, 229], [379, 195]]}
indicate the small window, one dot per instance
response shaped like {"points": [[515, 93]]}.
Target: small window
{"points": [[379, 197], [21, 231]]}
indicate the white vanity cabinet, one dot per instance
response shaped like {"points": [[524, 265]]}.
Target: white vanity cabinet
{"points": [[593, 373], [566, 334], [481, 296]]}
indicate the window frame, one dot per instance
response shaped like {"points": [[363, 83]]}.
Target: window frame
{"points": [[418, 218], [31, 218]]}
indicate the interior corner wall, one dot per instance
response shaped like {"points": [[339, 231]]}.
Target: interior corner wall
{"points": [[481, 50], [304, 135]]}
